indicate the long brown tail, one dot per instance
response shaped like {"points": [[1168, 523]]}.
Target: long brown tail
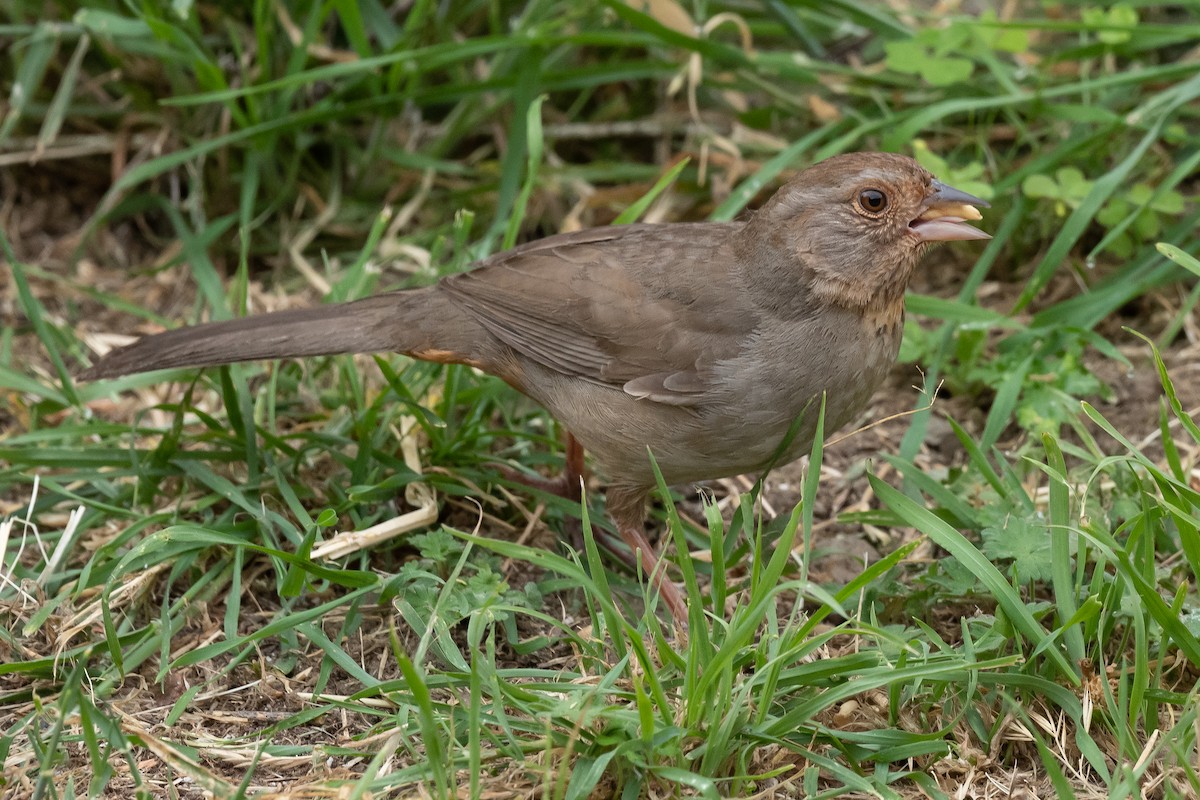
{"points": [[397, 321]]}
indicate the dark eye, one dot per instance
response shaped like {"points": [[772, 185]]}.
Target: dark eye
{"points": [[872, 201]]}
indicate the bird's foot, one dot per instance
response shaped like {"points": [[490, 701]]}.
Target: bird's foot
{"points": [[568, 485], [565, 485]]}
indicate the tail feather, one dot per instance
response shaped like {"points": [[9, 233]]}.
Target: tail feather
{"points": [[386, 322]]}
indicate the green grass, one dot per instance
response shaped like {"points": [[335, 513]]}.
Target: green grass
{"points": [[1036, 614]]}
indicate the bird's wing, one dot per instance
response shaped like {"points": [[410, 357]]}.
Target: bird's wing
{"points": [[631, 306]]}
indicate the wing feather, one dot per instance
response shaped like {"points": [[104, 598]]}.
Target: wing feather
{"points": [[609, 305]]}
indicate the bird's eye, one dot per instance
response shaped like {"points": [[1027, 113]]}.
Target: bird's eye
{"points": [[872, 201]]}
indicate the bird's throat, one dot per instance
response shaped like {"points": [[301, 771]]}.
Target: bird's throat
{"points": [[879, 297]]}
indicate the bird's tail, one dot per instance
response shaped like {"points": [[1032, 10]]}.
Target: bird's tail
{"points": [[388, 322]]}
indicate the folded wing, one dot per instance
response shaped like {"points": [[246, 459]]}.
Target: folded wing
{"points": [[628, 306]]}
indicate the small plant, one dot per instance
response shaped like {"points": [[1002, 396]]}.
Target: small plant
{"points": [[1068, 187], [1039, 372], [945, 56], [1021, 542], [452, 581], [1115, 24]]}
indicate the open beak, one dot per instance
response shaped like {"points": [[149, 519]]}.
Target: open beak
{"points": [[945, 213]]}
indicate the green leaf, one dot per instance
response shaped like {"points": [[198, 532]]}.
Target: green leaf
{"points": [[1121, 15], [1113, 212], [1074, 186], [534, 143], [1185, 260], [1010, 40], [1038, 185], [1027, 545], [958, 312], [908, 56], [947, 71], [106, 23], [1170, 202], [1147, 225], [636, 209]]}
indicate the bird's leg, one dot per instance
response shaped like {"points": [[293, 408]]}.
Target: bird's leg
{"points": [[627, 507], [568, 485], [572, 476], [629, 517]]}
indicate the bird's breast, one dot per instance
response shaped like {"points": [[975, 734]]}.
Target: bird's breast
{"points": [[779, 382]]}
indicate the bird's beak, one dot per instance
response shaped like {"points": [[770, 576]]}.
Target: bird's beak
{"points": [[944, 214]]}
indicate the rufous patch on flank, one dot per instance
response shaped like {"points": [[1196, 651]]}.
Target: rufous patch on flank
{"points": [[444, 357]]}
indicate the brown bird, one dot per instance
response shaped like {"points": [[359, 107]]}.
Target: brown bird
{"points": [[700, 342]]}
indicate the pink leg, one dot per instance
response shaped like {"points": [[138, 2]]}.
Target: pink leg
{"points": [[567, 485], [627, 507]]}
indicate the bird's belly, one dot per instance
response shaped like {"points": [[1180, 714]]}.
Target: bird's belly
{"points": [[764, 413]]}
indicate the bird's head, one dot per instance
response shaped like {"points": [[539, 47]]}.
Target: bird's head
{"points": [[856, 224]]}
